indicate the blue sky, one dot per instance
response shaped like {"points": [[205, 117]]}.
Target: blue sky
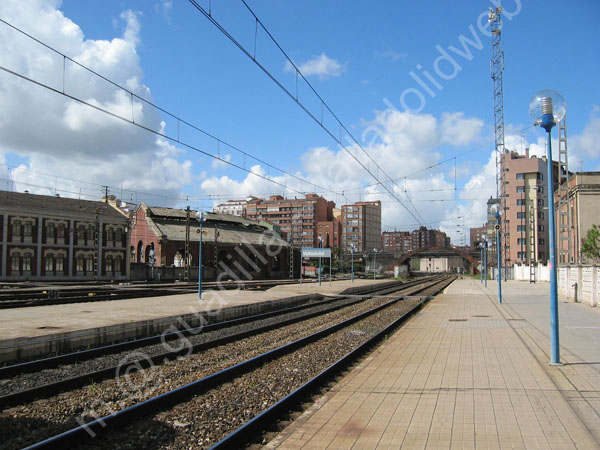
{"points": [[358, 56]]}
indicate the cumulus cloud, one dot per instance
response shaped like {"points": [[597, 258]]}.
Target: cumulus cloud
{"points": [[321, 66], [458, 130], [57, 135], [588, 142]]}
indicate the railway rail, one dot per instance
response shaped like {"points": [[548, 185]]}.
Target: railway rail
{"points": [[56, 295], [367, 317]]}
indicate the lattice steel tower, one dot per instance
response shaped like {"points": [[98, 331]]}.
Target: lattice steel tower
{"points": [[497, 67]]}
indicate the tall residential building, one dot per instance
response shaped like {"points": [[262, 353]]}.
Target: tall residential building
{"points": [[361, 226], [396, 241], [584, 198], [424, 238], [297, 217], [525, 220], [477, 235]]}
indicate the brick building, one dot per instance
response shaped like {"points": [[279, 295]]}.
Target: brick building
{"points": [[477, 235], [297, 218], [232, 247], [361, 226], [54, 238], [396, 241], [233, 207], [584, 198], [425, 238]]}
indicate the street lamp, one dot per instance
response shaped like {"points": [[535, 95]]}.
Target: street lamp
{"points": [[320, 246], [481, 261], [200, 217], [485, 253], [374, 264], [495, 209], [352, 253], [547, 108]]}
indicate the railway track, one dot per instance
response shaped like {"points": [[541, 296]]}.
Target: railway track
{"points": [[219, 365], [56, 295]]}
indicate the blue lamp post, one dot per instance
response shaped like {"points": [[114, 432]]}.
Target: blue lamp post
{"points": [[481, 261], [547, 108], [320, 245], [485, 249], [200, 217], [374, 264], [496, 210]]}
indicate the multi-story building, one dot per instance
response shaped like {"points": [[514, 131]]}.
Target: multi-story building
{"points": [[525, 218], [424, 238], [361, 226], [328, 233], [297, 218], [396, 241], [584, 198], [233, 207], [55, 238], [477, 235]]}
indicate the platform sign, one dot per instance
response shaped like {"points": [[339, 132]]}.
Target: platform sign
{"points": [[316, 253]]}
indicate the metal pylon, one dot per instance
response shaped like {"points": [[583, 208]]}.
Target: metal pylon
{"points": [[565, 254]]}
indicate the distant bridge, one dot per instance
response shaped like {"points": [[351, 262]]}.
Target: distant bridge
{"points": [[438, 252]]}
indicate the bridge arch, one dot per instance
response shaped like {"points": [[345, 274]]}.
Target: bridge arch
{"points": [[405, 257]]}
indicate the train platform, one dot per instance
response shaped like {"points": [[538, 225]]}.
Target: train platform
{"points": [[39, 331], [466, 372]]}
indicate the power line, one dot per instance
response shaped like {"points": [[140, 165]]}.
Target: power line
{"points": [[179, 120], [335, 135]]}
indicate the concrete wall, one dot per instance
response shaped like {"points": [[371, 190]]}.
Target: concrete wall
{"points": [[580, 283]]}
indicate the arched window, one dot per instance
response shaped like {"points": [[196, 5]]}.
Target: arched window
{"points": [[27, 263], [118, 235], [81, 233], [60, 263], [28, 229], [50, 230], [49, 263], [80, 263], [118, 264], [15, 262], [89, 264], [110, 235], [61, 230], [108, 264], [16, 228], [178, 260], [91, 231]]}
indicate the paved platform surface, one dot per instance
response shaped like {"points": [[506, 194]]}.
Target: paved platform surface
{"points": [[468, 373], [47, 320]]}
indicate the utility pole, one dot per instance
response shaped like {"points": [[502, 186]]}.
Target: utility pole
{"points": [[186, 256]]}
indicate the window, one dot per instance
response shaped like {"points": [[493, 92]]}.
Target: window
{"points": [[49, 263], [60, 263], [522, 255], [540, 202], [521, 215], [61, 230], [520, 202], [16, 228], [15, 261], [521, 228], [28, 229], [541, 241], [540, 188], [520, 189], [80, 263], [118, 264], [50, 230], [27, 263], [119, 237], [541, 228], [540, 215], [110, 236], [540, 176], [542, 255], [89, 264], [521, 241], [520, 176], [108, 264]]}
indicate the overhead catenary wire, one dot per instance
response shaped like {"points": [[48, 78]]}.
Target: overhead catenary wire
{"points": [[179, 120], [334, 134]]}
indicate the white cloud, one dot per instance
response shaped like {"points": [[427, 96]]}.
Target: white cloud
{"points": [[588, 142], [67, 138], [322, 66], [458, 130]]}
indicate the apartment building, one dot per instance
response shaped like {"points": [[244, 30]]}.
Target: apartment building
{"points": [[396, 241], [584, 198], [525, 218], [297, 217], [477, 235], [424, 238], [361, 226], [233, 207]]}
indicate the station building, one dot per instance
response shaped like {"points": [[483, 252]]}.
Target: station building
{"points": [[55, 238], [232, 247]]}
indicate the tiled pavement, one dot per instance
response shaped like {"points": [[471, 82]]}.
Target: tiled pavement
{"points": [[468, 373]]}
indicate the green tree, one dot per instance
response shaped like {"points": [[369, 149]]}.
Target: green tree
{"points": [[591, 243]]}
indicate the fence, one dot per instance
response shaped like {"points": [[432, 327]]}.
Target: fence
{"points": [[580, 283]]}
